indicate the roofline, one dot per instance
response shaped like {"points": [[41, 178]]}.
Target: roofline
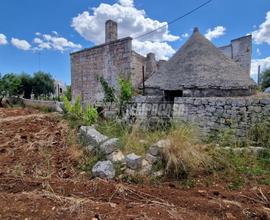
{"points": [[247, 36], [101, 45]]}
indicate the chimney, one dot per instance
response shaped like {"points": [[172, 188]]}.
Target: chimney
{"points": [[110, 31]]}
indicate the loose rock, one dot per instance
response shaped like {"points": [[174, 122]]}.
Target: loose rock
{"points": [[91, 136], [109, 146], [116, 156], [104, 170], [155, 149], [134, 161]]}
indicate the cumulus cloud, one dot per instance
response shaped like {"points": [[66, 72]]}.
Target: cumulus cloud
{"points": [[162, 50], [3, 39], [262, 35], [264, 63], [185, 35], [20, 44], [215, 33], [55, 42], [131, 22]]}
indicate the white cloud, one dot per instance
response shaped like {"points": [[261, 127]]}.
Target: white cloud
{"points": [[3, 39], [185, 35], [20, 44], [262, 35], [131, 22], [162, 50], [264, 63], [215, 33], [47, 41]]}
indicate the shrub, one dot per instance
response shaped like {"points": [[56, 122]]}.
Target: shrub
{"points": [[259, 134], [67, 105], [108, 90], [126, 92], [90, 116], [76, 110]]}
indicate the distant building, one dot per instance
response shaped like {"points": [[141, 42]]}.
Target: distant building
{"points": [[111, 60], [200, 69], [59, 88], [197, 69]]}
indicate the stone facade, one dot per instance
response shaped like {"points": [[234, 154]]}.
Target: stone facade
{"points": [[209, 113], [110, 60], [240, 50]]}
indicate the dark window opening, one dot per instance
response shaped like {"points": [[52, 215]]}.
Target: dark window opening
{"points": [[170, 95], [61, 91]]}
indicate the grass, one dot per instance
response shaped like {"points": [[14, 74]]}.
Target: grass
{"points": [[189, 158]]}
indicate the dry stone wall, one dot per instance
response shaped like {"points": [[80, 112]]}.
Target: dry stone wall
{"points": [[210, 113]]}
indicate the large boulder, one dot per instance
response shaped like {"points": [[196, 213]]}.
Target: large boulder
{"points": [[91, 136], [156, 148], [109, 146], [104, 170], [134, 161]]}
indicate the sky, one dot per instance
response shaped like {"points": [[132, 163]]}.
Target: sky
{"points": [[40, 35]]}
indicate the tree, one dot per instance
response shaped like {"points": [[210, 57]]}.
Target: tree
{"points": [[26, 85], [126, 92], [11, 84], [266, 79], [43, 84]]}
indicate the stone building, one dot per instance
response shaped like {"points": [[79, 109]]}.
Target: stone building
{"points": [[199, 69], [111, 60]]}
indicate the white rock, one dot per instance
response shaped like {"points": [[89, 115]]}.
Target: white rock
{"points": [[116, 156], [146, 168], [109, 146], [156, 148], [134, 161], [104, 170], [91, 136]]}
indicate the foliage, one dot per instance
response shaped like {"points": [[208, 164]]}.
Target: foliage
{"points": [[68, 93], [43, 84], [11, 84], [26, 85], [76, 114], [126, 92], [108, 91], [90, 116], [76, 110], [266, 79], [259, 134], [67, 105]]}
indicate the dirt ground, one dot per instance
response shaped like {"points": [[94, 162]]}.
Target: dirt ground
{"points": [[39, 179]]}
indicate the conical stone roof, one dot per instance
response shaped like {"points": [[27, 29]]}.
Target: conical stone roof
{"points": [[199, 64]]}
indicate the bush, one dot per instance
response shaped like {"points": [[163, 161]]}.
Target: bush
{"points": [[126, 92], [76, 110], [259, 134], [67, 105], [90, 116]]}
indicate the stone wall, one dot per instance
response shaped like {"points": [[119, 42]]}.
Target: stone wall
{"points": [[210, 113], [107, 60], [240, 50], [53, 105]]}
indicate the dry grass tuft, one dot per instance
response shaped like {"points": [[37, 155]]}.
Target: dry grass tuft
{"points": [[185, 153]]}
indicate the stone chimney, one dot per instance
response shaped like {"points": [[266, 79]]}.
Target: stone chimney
{"points": [[110, 31], [151, 64]]}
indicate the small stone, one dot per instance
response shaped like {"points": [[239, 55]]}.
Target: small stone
{"points": [[134, 161], [159, 173], [104, 170], [116, 156], [156, 148], [146, 168], [150, 158], [109, 146]]}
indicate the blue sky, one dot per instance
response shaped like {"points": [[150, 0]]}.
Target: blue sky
{"points": [[53, 29]]}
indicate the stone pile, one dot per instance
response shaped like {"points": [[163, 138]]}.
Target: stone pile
{"points": [[95, 141]]}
